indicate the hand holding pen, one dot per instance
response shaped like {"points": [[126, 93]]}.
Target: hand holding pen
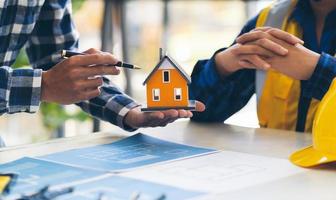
{"points": [[70, 81]]}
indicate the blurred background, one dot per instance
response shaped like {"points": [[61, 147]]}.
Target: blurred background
{"points": [[189, 30]]}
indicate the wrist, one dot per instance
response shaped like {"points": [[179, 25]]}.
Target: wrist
{"points": [[44, 87], [130, 118], [309, 60], [223, 66], [312, 62]]}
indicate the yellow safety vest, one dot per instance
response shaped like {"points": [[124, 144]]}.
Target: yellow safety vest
{"points": [[278, 95]]}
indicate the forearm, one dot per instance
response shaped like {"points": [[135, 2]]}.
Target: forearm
{"points": [[111, 105], [223, 90], [20, 90], [221, 96]]}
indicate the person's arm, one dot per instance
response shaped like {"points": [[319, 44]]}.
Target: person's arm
{"points": [[226, 82], [324, 73], [222, 96], [68, 81], [20, 90], [55, 31]]}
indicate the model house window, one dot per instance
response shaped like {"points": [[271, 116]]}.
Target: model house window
{"points": [[156, 94], [166, 76], [178, 94]]}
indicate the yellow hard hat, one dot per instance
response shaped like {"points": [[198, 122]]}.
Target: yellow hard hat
{"points": [[323, 149]]}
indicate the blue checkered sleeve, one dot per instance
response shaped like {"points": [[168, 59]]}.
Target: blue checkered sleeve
{"points": [[112, 105], [43, 29], [324, 73], [19, 90], [54, 31]]}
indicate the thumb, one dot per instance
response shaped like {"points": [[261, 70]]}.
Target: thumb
{"points": [[200, 107]]}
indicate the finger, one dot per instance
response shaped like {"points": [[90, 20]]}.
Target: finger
{"points": [[91, 83], [155, 116], [182, 114], [170, 113], [256, 61], [252, 48], [92, 51], [91, 94], [251, 36], [246, 64], [280, 34], [261, 35], [287, 37], [98, 71], [93, 59], [264, 28], [185, 114], [200, 107], [190, 114], [272, 46]]}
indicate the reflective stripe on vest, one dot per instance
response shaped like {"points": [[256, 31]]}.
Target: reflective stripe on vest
{"points": [[272, 16], [278, 95]]}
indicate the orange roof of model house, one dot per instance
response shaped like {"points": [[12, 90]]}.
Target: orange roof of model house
{"points": [[167, 86]]}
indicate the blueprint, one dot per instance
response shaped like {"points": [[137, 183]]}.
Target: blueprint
{"points": [[35, 174], [135, 151], [122, 188], [218, 173]]}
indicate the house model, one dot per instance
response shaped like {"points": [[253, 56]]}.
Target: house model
{"points": [[167, 86]]}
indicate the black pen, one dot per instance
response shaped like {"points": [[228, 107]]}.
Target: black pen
{"points": [[68, 54]]}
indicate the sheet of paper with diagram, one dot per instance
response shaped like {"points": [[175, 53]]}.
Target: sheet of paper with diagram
{"points": [[88, 170], [218, 172], [195, 172], [114, 187], [34, 174], [135, 151]]}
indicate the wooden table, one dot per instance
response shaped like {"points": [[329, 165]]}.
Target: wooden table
{"points": [[314, 184]]}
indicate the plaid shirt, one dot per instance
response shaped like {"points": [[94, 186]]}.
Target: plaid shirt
{"points": [[224, 97], [44, 28]]}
